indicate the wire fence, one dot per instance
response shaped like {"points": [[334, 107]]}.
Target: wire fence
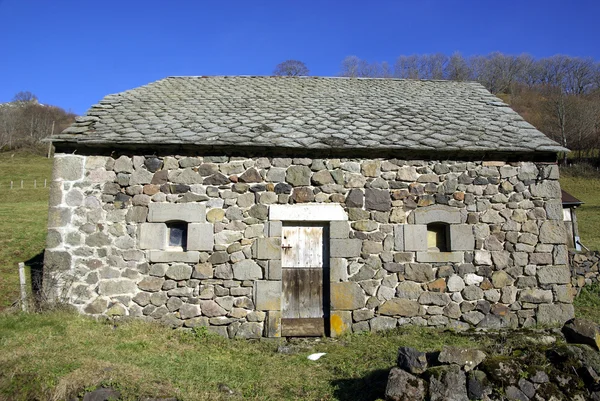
{"points": [[25, 184]]}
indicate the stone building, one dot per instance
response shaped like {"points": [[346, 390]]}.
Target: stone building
{"points": [[270, 206]]}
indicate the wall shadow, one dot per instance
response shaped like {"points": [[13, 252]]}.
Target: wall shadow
{"points": [[36, 267], [368, 388]]}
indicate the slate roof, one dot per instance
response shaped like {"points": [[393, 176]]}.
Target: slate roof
{"points": [[309, 113], [569, 200]]}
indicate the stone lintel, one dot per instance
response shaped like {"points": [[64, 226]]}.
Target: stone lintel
{"points": [[308, 212], [436, 213], [188, 212]]}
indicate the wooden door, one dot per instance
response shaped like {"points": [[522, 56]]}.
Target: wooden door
{"points": [[303, 252]]}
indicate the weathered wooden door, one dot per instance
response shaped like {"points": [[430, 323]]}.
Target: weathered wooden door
{"points": [[303, 256]]}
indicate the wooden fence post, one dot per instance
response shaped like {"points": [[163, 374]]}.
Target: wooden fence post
{"points": [[23, 286]]}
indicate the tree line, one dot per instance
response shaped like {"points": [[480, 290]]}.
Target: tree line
{"points": [[560, 95], [24, 121]]}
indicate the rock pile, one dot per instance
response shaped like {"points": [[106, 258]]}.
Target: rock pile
{"points": [[584, 268], [566, 371]]}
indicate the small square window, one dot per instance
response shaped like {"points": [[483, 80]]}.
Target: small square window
{"points": [[177, 235], [437, 237]]}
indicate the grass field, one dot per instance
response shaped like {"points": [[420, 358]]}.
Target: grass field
{"points": [[57, 355], [23, 216], [586, 187]]}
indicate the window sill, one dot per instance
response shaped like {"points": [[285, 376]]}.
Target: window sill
{"points": [[440, 257], [173, 256]]}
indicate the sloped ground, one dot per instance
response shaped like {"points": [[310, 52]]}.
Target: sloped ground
{"points": [[23, 217]]}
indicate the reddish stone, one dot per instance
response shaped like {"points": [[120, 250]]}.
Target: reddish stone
{"points": [[438, 285], [486, 284], [160, 177], [459, 196], [337, 198], [303, 195], [151, 189], [400, 194], [500, 310]]}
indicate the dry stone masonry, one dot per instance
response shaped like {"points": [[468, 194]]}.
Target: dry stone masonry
{"points": [[504, 262]]}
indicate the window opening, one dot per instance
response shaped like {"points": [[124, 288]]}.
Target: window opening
{"points": [[177, 235], [438, 237]]}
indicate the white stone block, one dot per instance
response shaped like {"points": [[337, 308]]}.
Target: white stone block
{"points": [[415, 237], [188, 212], [153, 236], [200, 237]]}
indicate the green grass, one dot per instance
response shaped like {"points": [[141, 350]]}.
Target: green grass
{"points": [[57, 355], [23, 217], [587, 303], [587, 189]]}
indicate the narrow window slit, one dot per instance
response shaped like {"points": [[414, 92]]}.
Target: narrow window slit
{"points": [[177, 235]]}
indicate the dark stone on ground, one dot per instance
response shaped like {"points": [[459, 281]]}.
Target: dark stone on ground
{"points": [[477, 385], [513, 393], [582, 331], [102, 394], [527, 387], [412, 360], [447, 383], [466, 358], [402, 386]]}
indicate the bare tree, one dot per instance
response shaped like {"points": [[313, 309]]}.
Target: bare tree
{"points": [[407, 67], [25, 97], [291, 68], [350, 67], [386, 70], [433, 66], [457, 68]]}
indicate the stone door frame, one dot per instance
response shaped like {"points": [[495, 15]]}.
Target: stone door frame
{"points": [[331, 215]]}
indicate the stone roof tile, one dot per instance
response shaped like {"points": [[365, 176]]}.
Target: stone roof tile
{"points": [[309, 112]]}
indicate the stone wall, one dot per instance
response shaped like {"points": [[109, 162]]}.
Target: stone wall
{"points": [[506, 265], [584, 268]]}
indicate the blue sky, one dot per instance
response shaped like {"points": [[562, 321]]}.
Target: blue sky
{"points": [[73, 53]]}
